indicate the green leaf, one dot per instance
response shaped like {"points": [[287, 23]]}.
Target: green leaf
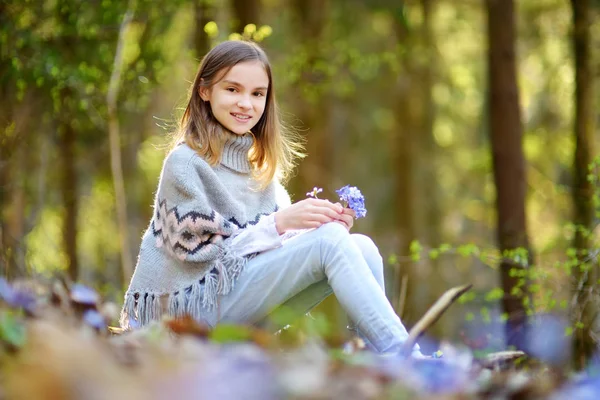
{"points": [[563, 304], [568, 331], [415, 250], [434, 254], [494, 295], [317, 325], [12, 331], [444, 248], [392, 259], [467, 250], [225, 333]]}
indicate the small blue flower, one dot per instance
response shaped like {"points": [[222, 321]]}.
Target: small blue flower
{"points": [[82, 294], [94, 319], [354, 199], [17, 298]]}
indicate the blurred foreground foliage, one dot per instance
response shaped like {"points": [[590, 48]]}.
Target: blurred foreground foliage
{"points": [[55, 343]]}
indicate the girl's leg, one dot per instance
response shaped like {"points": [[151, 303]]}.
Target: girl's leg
{"points": [[325, 254], [373, 258]]}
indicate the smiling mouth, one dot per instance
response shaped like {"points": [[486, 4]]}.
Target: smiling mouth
{"points": [[241, 117]]}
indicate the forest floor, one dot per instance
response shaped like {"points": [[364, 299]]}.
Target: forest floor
{"points": [[55, 344]]}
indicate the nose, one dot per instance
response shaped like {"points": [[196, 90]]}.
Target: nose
{"points": [[244, 103]]}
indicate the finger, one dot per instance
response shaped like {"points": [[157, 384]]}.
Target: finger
{"points": [[348, 220], [349, 211], [322, 218], [328, 211], [335, 207]]}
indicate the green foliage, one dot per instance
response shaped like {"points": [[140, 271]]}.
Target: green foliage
{"points": [[12, 329], [45, 255], [415, 250], [226, 333]]}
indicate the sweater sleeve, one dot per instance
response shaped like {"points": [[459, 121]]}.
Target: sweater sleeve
{"points": [[263, 236]]}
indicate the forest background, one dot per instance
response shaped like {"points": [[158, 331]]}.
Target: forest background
{"points": [[468, 125]]}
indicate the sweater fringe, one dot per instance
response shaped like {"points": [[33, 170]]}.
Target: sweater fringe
{"points": [[142, 307]]}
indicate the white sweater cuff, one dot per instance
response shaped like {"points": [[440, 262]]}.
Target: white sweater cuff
{"points": [[257, 238]]}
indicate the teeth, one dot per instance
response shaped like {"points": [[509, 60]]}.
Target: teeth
{"points": [[241, 116]]}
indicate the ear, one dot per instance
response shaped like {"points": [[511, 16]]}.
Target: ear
{"points": [[204, 92]]}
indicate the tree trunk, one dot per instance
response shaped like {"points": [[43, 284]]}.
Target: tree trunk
{"points": [[508, 159], [6, 146], [7, 142], [204, 13], [582, 190], [314, 112], [311, 110], [407, 110], [245, 12], [429, 193], [16, 211], [115, 147], [69, 185]]}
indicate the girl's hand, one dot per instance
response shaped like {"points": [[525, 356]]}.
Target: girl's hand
{"points": [[347, 218], [306, 214]]}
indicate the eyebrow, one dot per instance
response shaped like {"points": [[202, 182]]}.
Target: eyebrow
{"points": [[239, 84]]}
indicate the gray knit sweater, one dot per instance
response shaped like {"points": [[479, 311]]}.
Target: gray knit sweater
{"points": [[186, 257]]}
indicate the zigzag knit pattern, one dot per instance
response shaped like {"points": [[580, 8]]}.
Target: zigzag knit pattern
{"points": [[193, 232], [189, 234]]}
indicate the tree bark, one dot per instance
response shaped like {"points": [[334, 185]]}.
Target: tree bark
{"points": [[313, 111], [7, 142], [245, 12], [69, 186], [508, 159], [582, 190], [204, 13], [407, 109], [429, 192], [115, 147]]}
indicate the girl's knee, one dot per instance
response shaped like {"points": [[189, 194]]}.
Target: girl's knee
{"points": [[333, 231], [367, 247]]}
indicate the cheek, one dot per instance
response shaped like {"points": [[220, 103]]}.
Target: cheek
{"points": [[261, 105]]}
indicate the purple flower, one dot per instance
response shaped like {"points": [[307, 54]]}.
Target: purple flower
{"points": [[17, 298], [354, 199], [94, 319], [82, 294]]}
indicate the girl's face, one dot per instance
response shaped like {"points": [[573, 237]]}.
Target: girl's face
{"points": [[238, 99]]}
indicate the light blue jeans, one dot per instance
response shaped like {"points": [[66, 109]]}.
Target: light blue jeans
{"points": [[308, 268]]}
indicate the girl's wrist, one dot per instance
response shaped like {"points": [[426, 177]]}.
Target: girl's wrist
{"points": [[278, 223]]}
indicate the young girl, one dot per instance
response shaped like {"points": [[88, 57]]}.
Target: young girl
{"points": [[224, 243]]}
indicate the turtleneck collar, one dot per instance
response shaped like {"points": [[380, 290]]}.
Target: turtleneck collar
{"points": [[235, 152]]}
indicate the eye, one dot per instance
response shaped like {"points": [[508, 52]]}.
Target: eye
{"points": [[259, 94], [231, 89]]}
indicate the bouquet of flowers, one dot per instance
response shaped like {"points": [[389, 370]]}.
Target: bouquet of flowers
{"points": [[350, 196]]}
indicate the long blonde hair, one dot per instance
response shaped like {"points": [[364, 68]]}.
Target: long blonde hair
{"points": [[275, 147]]}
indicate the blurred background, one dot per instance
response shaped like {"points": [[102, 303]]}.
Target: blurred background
{"points": [[468, 125]]}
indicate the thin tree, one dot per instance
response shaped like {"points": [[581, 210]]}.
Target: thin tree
{"points": [[508, 160], [582, 190], [67, 145], [245, 12], [115, 145], [204, 13], [408, 107]]}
